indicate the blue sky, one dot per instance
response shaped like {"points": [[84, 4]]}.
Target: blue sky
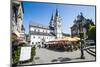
{"points": [[41, 13]]}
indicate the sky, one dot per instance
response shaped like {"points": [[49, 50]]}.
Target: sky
{"points": [[41, 13]]}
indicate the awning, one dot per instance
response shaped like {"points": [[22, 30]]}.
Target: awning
{"points": [[16, 33], [65, 39], [22, 42]]}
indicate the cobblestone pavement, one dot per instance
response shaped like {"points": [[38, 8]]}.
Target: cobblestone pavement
{"points": [[49, 56], [44, 56]]}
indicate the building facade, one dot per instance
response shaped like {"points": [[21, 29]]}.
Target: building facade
{"points": [[79, 26], [17, 20], [39, 33]]}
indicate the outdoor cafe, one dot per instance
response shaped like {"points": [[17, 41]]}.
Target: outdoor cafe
{"points": [[62, 43]]}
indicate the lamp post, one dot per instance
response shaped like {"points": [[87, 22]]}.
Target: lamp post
{"points": [[81, 40]]}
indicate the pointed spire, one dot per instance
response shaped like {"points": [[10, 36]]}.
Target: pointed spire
{"points": [[52, 17], [57, 13], [80, 17], [51, 21], [81, 13], [57, 16]]}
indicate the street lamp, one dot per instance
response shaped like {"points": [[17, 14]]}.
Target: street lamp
{"points": [[82, 52], [81, 34]]}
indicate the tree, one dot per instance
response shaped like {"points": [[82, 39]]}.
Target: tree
{"points": [[91, 29], [92, 32], [88, 23]]}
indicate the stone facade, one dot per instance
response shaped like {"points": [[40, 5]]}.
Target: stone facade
{"points": [[79, 26]]}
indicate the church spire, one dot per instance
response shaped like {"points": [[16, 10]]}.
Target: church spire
{"points": [[56, 17], [51, 21], [57, 13], [51, 17], [57, 24]]}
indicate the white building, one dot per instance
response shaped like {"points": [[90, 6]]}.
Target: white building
{"points": [[40, 33]]}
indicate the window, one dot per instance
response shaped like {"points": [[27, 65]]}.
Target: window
{"points": [[46, 31], [38, 30], [33, 36], [38, 42], [32, 42], [34, 30]]}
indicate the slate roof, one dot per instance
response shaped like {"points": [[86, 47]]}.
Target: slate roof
{"points": [[41, 33], [37, 25]]}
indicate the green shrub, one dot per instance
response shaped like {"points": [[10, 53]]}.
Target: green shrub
{"points": [[33, 53], [16, 54]]}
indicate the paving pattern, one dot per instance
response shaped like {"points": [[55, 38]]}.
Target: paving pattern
{"points": [[49, 56], [44, 56]]}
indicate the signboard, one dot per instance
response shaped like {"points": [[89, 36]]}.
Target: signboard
{"points": [[25, 53]]}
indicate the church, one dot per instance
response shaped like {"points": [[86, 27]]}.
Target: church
{"points": [[39, 33]]}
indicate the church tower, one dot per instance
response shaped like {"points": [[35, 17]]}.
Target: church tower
{"points": [[57, 25], [51, 24]]}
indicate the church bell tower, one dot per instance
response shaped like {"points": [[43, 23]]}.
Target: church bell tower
{"points": [[57, 25]]}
